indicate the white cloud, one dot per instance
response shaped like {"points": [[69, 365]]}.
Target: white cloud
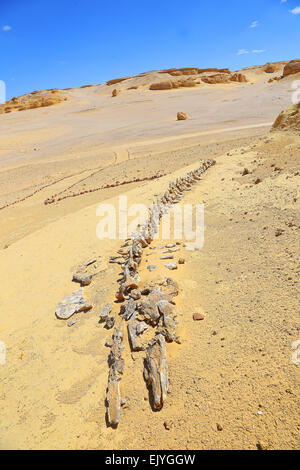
{"points": [[242, 51], [283, 1], [295, 11], [6, 28], [258, 51], [254, 24]]}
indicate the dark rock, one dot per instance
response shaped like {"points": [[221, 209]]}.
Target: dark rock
{"points": [[198, 316]]}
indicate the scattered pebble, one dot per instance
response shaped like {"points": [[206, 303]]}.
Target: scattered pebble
{"points": [[198, 316], [181, 261], [170, 245], [168, 425], [279, 232], [171, 266], [151, 267], [167, 257], [262, 446]]}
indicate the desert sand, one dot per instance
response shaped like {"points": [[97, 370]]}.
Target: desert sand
{"points": [[232, 381]]}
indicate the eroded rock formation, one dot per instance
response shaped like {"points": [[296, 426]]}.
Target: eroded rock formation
{"points": [[288, 120], [292, 67], [36, 99]]}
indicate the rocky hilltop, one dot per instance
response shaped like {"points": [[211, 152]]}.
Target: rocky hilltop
{"points": [[35, 99], [291, 68]]}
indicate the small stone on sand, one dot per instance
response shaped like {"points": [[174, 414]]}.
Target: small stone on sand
{"points": [[198, 316]]}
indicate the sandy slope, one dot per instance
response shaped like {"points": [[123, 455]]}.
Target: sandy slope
{"points": [[244, 280], [44, 151], [233, 364]]}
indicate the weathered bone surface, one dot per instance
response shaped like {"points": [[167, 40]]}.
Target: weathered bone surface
{"points": [[167, 257], [134, 338], [110, 321], [129, 309], [71, 304], [141, 327], [166, 285], [148, 308], [168, 321], [156, 370], [105, 312], [116, 368], [135, 294]]}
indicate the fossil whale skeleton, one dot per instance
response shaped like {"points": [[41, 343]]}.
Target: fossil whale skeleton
{"points": [[155, 309]]}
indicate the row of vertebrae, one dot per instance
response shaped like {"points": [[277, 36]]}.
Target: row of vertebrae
{"points": [[157, 309], [141, 239]]}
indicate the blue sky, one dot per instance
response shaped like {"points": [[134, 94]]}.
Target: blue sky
{"points": [[69, 43]]}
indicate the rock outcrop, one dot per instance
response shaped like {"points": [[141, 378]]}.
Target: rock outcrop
{"points": [[216, 78], [169, 84], [166, 85], [291, 68], [271, 68], [192, 71], [36, 99], [116, 80], [288, 120], [238, 77]]}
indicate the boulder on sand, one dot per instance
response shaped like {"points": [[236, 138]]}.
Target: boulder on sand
{"points": [[291, 68], [288, 120], [181, 116]]}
